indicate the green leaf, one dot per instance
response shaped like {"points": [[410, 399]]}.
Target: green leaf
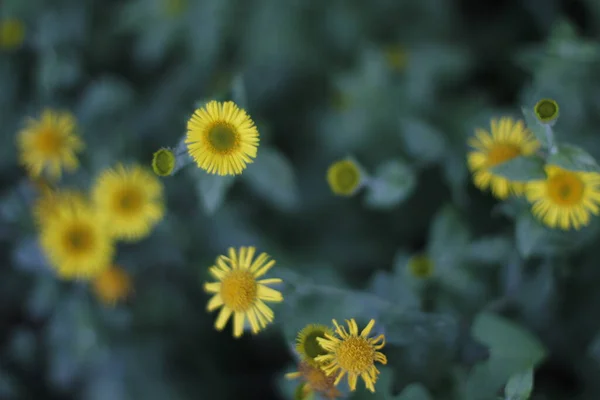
{"points": [[522, 169], [538, 130], [491, 250], [448, 236], [211, 189], [512, 349], [414, 328], [272, 178], [573, 158], [393, 182], [238, 92], [519, 386], [414, 392], [423, 142]]}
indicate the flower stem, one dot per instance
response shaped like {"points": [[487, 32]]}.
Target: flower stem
{"points": [[550, 137]]}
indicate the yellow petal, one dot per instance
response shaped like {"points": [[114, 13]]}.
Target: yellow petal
{"points": [[365, 332], [224, 315], [215, 302], [267, 294], [238, 324]]}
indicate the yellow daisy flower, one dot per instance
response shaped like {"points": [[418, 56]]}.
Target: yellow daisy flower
{"points": [[306, 342], [566, 198], [112, 285], [131, 198], [238, 291], [222, 138], [421, 266], [76, 242], [315, 380], [353, 354], [344, 177], [508, 140], [12, 33], [51, 201], [49, 143]]}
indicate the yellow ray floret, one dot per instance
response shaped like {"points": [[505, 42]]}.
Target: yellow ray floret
{"points": [[565, 199], [222, 138], [316, 380], [49, 143], [240, 292], [353, 354], [76, 241], [132, 200], [508, 140]]}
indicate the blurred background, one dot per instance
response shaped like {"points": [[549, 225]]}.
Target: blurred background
{"points": [[398, 85]]}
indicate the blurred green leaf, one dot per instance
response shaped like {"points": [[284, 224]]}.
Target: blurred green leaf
{"points": [[211, 189], [448, 235], [512, 350], [238, 92], [392, 183], [271, 177], [491, 250], [573, 158], [105, 98], [522, 169], [414, 392], [538, 130], [423, 142], [519, 386]]}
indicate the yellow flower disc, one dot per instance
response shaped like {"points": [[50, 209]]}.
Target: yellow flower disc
{"points": [[421, 266], [163, 162], [240, 293], [222, 138], [565, 199], [546, 110], [12, 33], [131, 198], [508, 140], [344, 177], [353, 354], [49, 143]]}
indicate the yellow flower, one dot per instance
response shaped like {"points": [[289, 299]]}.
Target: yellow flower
{"points": [[112, 285], [238, 291], [163, 162], [316, 380], [51, 201], [396, 58], [306, 342], [421, 266], [566, 198], [50, 142], [12, 33], [546, 110], [222, 138], [76, 242], [353, 354], [508, 140], [131, 198], [344, 177]]}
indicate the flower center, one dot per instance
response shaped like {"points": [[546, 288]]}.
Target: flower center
{"points": [[502, 152], [311, 346], [565, 189], [223, 138], [239, 290], [355, 354], [49, 142], [78, 239], [129, 201], [348, 178], [421, 266]]}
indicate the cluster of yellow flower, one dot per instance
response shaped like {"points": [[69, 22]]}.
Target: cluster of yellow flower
{"points": [[222, 139], [78, 231], [564, 199]]}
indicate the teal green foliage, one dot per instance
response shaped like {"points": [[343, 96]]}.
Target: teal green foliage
{"points": [[511, 307]]}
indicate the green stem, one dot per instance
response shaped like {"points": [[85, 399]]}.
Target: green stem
{"points": [[550, 137]]}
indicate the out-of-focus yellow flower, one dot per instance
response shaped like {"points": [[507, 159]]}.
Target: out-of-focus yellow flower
{"points": [[12, 33], [112, 285], [222, 138], [50, 202], [315, 380], [421, 266], [396, 57], [344, 177], [49, 143], [508, 140], [240, 292], [565, 199], [131, 198]]}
